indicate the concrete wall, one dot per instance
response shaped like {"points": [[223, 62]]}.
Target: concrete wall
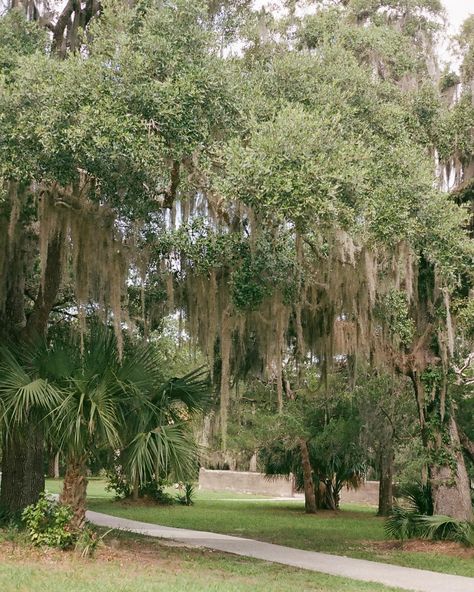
{"points": [[245, 482], [368, 493], [257, 483]]}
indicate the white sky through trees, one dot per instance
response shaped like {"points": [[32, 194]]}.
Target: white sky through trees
{"points": [[457, 12]]}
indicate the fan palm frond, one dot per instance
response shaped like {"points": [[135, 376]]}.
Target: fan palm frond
{"points": [[157, 452], [22, 391]]}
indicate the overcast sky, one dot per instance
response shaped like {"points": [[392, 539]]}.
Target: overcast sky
{"points": [[458, 11]]}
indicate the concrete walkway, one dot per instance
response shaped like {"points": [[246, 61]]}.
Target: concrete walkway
{"points": [[357, 569]]}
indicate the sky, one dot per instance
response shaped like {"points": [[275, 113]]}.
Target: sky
{"points": [[457, 12]]}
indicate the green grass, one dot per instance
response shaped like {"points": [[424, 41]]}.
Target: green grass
{"points": [[354, 531], [144, 565], [96, 489]]}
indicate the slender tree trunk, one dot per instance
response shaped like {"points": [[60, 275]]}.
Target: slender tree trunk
{"points": [[22, 469], [226, 343], [75, 489], [309, 497], [386, 481], [135, 490], [56, 465], [53, 465]]}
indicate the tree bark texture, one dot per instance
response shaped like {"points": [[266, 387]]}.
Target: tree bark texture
{"points": [[309, 497], [386, 481], [22, 469], [75, 490], [23, 452], [450, 483]]}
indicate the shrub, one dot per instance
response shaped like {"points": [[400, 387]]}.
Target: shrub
{"points": [[117, 481], [407, 524], [49, 523], [418, 497], [154, 490]]}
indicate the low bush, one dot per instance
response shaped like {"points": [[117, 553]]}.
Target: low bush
{"points": [[407, 524], [152, 490], [49, 523], [417, 497]]}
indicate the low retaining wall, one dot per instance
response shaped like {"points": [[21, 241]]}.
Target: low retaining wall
{"points": [[367, 493], [246, 482], [278, 486]]}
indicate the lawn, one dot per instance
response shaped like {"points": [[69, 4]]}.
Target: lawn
{"points": [[97, 489], [131, 563], [355, 531]]}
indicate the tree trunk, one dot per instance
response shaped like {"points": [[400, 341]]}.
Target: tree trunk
{"points": [[23, 453], [53, 465], [446, 467], [75, 489], [386, 481], [135, 490], [309, 497], [56, 465], [449, 482], [22, 469]]}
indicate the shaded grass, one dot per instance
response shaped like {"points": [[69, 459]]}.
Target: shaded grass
{"points": [[143, 565]]}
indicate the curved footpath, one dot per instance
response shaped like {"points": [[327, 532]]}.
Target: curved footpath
{"points": [[357, 569]]}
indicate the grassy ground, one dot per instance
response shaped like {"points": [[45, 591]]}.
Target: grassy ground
{"points": [[96, 490], [130, 563], [355, 531]]}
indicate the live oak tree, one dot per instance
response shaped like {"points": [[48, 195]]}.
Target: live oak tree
{"points": [[283, 200], [92, 145], [340, 159]]}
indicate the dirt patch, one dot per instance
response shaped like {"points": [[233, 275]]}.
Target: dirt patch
{"points": [[420, 546], [124, 551]]}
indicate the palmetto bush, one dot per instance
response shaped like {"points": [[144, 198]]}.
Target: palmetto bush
{"points": [[414, 518], [406, 524], [417, 496]]}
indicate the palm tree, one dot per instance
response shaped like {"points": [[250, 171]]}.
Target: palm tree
{"points": [[157, 439], [102, 400], [26, 396]]}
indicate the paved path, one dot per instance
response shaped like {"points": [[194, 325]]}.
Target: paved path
{"points": [[358, 569]]}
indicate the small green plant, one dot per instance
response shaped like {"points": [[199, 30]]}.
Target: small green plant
{"points": [[401, 524], [154, 490], [117, 481], [13, 533], [187, 497], [89, 541], [406, 524], [417, 497], [49, 523]]}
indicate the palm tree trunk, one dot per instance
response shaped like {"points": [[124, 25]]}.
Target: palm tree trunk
{"points": [[75, 489], [309, 497]]}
